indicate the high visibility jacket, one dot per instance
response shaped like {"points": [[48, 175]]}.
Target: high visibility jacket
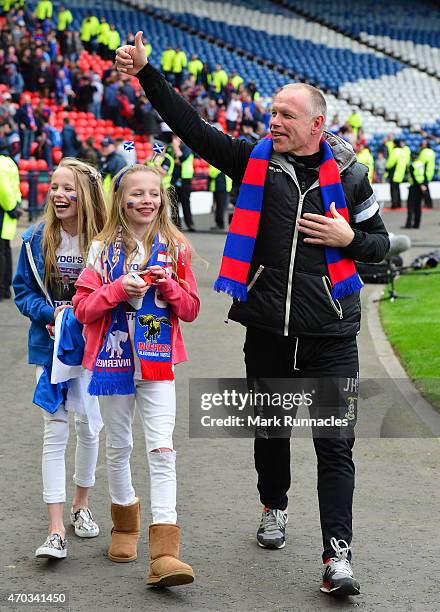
{"points": [[167, 60], [113, 40], [355, 120], [213, 174], [418, 168], [96, 25], [179, 62], [220, 80], [390, 146], [10, 195], [86, 30], [44, 9], [365, 157], [195, 67], [64, 20], [408, 154], [187, 167], [148, 49], [159, 161], [427, 156], [397, 163], [236, 81], [104, 29]]}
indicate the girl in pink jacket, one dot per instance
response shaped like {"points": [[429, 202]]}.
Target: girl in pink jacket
{"points": [[137, 285]]}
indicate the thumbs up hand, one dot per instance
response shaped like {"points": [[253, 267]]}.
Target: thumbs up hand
{"points": [[130, 59]]}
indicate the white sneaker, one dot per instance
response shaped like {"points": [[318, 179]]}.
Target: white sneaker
{"points": [[85, 526], [53, 548]]}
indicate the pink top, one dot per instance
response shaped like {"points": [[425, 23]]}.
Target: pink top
{"points": [[94, 301]]}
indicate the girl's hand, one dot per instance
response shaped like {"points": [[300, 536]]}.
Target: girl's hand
{"points": [[158, 275], [58, 309], [134, 286]]}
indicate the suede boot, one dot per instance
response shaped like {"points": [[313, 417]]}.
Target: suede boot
{"points": [[165, 567], [125, 532]]}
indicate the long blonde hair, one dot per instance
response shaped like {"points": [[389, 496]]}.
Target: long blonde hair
{"points": [[117, 226], [91, 215]]}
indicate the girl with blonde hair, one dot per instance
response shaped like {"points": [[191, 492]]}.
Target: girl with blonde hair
{"points": [[137, 285], [52, 256]]}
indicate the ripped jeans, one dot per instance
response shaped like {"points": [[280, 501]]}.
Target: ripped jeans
{"points": [[156, 404], [55, 437]]}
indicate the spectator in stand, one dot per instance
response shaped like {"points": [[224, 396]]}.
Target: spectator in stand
{"points": [[14, 81], [43, 149], [25, 119], [9, 132], [380, 167], [71, 146], [73, 46], [211, 112], [179, 64], [102, 40], [146, 118], [335, 125], [234, 111], [206, 77], [84, 95], [28, 70], [111, 162], [95, 106], [364, 156], [87, 29], [63, 88], [195, 68], [110, 100], [64, 22], [166, 62], [89, 153], [113, 42]]}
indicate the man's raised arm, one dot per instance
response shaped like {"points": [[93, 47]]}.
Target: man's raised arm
{"points": [[220, 150]]}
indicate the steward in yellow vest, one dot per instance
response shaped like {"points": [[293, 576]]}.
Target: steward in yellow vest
{"points": [[416, 177], [104, 29], [44, 10], [221, 186], [65, 18], [166, 62], [10, 200], [195, 67], [427, 156], [396, 167], [364, 157], [179, 63]]}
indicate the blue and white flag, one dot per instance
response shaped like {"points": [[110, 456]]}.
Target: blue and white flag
{"points": [[158, 148], [129, 145]]}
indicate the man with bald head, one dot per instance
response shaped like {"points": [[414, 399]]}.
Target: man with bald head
{"points": [[305, 212]]}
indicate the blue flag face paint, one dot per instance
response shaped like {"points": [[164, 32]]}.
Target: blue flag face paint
{"points": [[131, 204]]}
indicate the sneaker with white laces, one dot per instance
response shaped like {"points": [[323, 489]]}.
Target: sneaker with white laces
{"points": [[272, 530], [85, 526], [54, 547], [337, 578]]}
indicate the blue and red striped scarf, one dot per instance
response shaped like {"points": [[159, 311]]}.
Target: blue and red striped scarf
{"points": [[240, 241]]}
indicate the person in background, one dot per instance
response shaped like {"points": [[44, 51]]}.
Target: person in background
{"points": [[179, 64], [396, 165], [416, 177], [10, 200], [71, 146], [182, 177], [167, 61], [364, 156], [355, 122], [379, 167], [111, 162], [427, 157]]}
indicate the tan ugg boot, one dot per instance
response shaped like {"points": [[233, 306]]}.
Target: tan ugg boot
{"points": [[165, 567], [125, 532]]}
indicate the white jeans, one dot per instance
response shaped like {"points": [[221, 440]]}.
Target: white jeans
{"points": [[156, 404], [55, 437]]}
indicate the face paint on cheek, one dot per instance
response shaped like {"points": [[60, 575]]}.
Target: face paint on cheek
{"points": [[73, 198], [131, 204]]}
